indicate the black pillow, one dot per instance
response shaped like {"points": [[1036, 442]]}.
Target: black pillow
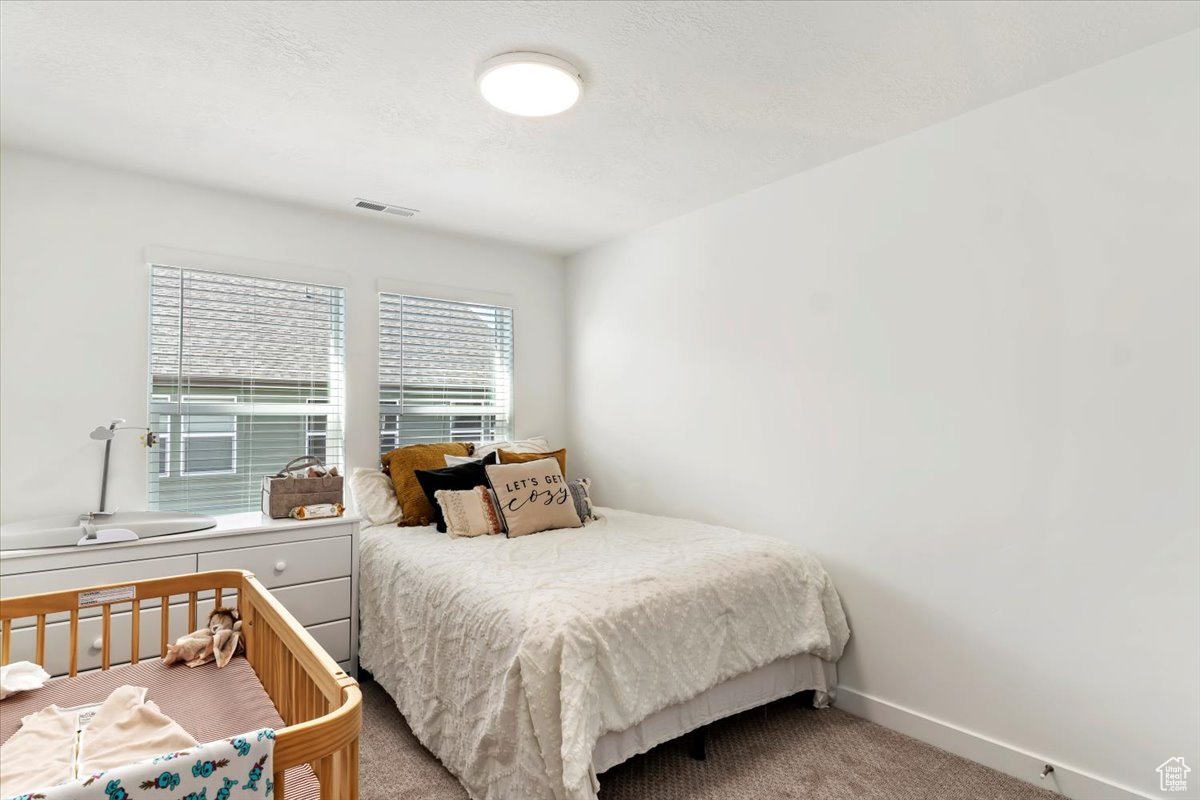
{"points": [[456, 478]]}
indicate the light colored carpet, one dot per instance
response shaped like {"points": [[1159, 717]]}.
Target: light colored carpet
{"points": [[777, 752]]}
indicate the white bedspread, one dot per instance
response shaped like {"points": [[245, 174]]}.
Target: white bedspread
{"points": [[511, 657]]}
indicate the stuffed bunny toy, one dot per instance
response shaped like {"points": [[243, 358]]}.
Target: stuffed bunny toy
{"points": [[219, 640]]}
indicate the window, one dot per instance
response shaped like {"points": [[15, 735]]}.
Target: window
{"points": [[245, 375], [164, 455], [389, 423], [208, 443], [445, 371], [162, 426], [316, 432]]}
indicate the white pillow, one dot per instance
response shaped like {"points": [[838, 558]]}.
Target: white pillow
{"points": [[375, 496], [534, 444], [454, 461]]}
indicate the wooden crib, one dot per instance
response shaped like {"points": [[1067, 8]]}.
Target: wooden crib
{"points": [[319, 703]]}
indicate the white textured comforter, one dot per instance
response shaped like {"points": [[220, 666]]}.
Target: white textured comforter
{"points": [[511, 657]]}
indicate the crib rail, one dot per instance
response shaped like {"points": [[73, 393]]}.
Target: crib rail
{"points": [[320, 704]]}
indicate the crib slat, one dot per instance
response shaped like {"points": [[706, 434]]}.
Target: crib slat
{"points": [[135, 631], [324, 772], [292, 692], [5, 640], [350, 778], [41, 639], [164, 621], [217, 598], [74, 636], [191, 611], [105, 636], [345, 765], [278, 786]]}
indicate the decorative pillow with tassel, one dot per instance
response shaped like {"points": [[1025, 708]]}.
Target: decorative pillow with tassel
{"points": [[470, 512], [581, 494]]}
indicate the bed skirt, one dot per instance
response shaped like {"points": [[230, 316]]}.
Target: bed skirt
{"points": [[776, 680]]}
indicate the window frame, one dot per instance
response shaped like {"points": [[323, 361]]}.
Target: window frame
{"points": [[311, 433], [163, 441], [185, 435], [237, 417], [447, 295]]}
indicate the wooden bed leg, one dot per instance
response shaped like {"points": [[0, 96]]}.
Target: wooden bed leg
{"points": [[695, 745]]}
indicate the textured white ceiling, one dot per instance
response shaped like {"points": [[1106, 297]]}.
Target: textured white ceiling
{"points": [[685, 102]]}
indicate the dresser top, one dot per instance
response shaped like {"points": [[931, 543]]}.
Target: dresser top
{"points": [[249, 524], [256, 522]]}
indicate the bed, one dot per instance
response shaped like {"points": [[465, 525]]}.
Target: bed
{"points": [[529, 666], [285, 680]]}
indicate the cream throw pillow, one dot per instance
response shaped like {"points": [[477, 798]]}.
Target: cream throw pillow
{"points": [[532, 496], [469, 512], [375, 496]]}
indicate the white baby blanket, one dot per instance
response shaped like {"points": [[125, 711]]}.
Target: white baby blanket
{"points": [[21, 676]]}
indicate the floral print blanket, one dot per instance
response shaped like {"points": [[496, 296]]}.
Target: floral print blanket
{"points": [[227, 769]]}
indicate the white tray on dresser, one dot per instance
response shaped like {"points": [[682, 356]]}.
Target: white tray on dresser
{"points": [[311, 566]]}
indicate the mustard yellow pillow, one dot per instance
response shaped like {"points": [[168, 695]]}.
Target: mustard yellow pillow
{"points": [[507, 457], [402, 463]]}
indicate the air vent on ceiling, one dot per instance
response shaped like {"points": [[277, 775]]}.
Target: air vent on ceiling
{"points": [[371, 205]]}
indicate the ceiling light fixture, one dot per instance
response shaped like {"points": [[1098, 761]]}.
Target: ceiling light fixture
{"points": [[529, 84]]}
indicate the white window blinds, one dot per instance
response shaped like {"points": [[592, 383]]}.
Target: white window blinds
{"points": [[445, 371], [245, 374]]}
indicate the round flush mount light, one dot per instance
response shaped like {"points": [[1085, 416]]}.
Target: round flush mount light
{"points": [[529, 84]]}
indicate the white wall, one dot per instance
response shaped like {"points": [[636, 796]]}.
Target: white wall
{"points": [[962, 367], [74, 297]]}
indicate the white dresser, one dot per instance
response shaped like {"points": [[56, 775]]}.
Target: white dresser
{"points": [[311, 567]]}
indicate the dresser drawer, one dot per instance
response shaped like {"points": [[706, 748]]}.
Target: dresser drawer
{"points": [[334, 637], [83, 577], [314, 603], [286, 564]]}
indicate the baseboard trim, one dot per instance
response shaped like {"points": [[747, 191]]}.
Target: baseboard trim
{"points": [[1000, 756]]}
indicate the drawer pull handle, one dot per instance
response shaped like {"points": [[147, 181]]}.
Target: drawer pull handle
{"points": [[280, 566], [98, 644]]}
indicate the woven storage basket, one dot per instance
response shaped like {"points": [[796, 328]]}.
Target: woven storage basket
{"points": [[283, 491]]}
